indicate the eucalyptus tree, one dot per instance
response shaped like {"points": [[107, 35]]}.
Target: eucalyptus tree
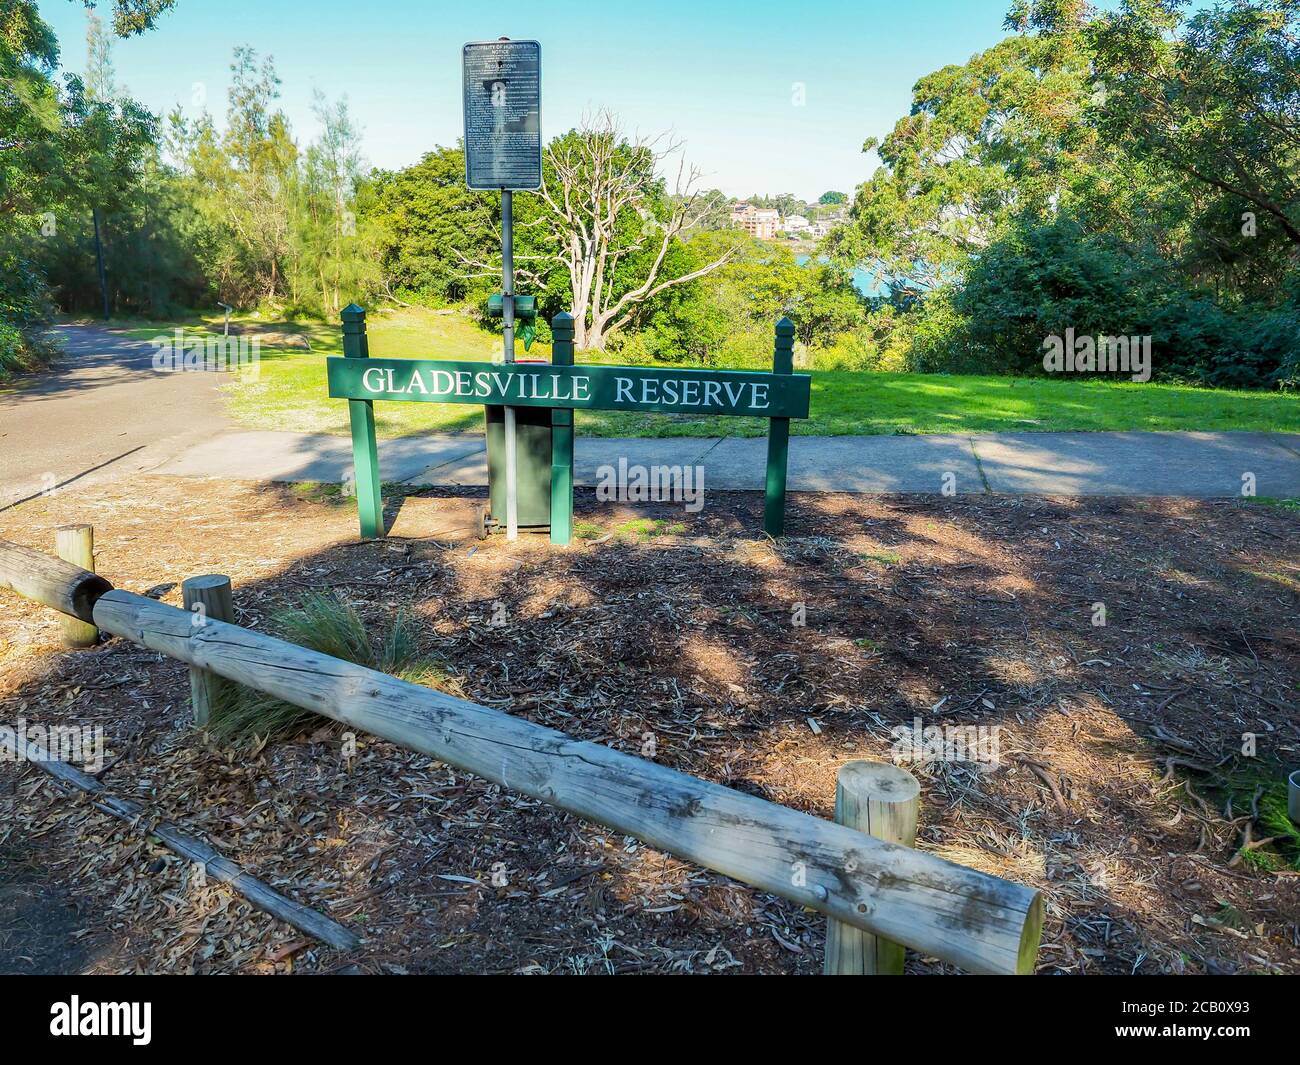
{"points": [[984, 141], [61, 152], [615, 224]]}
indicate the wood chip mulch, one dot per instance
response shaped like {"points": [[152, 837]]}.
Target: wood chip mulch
{"points": [[1117, 792]]}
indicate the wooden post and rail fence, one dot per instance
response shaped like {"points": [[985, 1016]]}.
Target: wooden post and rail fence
{"points": [[879, 894]]}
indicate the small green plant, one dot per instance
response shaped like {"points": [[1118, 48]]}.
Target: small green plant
{"points": [[1267, 792], [1271, 501], [587, 530], [328, 623], [648, 528], [320, 492], [1274, 819], [637, 529]]}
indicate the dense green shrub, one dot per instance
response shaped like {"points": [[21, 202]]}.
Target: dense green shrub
{"points": [[1039, 280], [25, 343]]}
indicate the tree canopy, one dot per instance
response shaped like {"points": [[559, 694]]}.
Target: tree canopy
{"points": [[1123, 172], [1129, 171]]}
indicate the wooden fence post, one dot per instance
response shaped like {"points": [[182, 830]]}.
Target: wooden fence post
{"points": [[561, 437], [883, 801], [778, 437], [211, 595], [361, 414], [76, 544]]}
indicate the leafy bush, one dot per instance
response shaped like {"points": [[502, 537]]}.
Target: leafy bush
{"points": [[1041, 279], [928, 336], [881, 344], [25, 343], [1245, 347]]}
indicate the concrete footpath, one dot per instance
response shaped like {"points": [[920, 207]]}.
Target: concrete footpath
{"points": [[104, 413], [101, 413], [1198, 465]]}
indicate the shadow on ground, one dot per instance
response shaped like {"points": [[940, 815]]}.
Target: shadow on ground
{"points": [[762, 666]]}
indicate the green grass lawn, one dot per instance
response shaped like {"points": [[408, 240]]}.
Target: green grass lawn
{"points": [[846, 404], [288, 393]]}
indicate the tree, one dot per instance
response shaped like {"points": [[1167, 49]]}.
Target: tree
{"points": [[728, 315], [784, 203], [131, 17], [984, 141], [101, 81], [108, 144], [243, 184], [825, 304], [332, 251], [432, 226], [1102, 172], [100, 88], [613, 225], [63, 151], [1214, 94], [717, 211], [828, 199]]}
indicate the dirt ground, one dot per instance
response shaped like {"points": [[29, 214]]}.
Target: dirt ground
{"points": [[1121, 788]]}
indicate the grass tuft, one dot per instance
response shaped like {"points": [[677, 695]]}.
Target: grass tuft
{"points": [[328, 623], [1273, 821], [1280, 503]]}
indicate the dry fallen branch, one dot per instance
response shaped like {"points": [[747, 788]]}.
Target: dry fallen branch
{"points": [[1041, 771], [191, 847]]}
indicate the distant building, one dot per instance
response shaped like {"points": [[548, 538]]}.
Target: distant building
{"points": [[758, 222], [827, 218], [795, 224]]}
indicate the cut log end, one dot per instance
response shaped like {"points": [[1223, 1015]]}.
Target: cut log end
{"points": [[85, 592], [51, 581], [879, 781], [1030, 938]]}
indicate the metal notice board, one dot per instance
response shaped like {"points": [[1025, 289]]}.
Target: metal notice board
{"points": [[503, 122]]}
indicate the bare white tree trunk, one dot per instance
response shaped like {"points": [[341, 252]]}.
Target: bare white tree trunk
{"points": [[599, 177]]}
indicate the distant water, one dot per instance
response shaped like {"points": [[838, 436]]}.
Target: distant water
{"points": [[866, 279]]}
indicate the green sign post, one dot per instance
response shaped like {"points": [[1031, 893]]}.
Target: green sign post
{"points": [[564, 387]]}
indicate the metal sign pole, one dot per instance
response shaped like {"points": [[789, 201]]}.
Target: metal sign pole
{"points": [[503, 151], [508, 317]]}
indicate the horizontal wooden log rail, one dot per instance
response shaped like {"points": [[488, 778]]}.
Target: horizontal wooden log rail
{"points": [[980, 922], [58, 584]]}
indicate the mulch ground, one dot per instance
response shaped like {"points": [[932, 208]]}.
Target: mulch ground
{"points": [[1121, 789]]}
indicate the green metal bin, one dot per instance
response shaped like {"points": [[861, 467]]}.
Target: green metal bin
{"points": [[533, 464]]}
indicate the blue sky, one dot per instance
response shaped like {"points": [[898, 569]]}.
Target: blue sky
{"points": [[721, 74]]}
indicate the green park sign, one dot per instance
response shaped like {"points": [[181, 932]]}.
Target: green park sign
{"points": [[564, 387], [659, 391]]}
